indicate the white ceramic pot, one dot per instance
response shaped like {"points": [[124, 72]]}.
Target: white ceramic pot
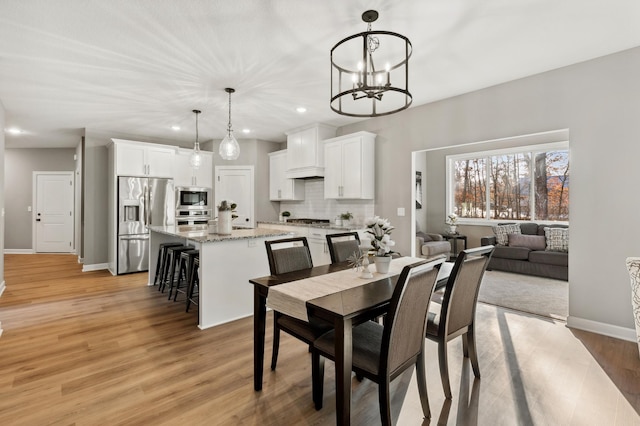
{"points": [[224, 222], [382, 264], [452, 229]]}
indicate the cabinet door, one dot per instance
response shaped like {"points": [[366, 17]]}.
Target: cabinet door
{"points": [[182, 172], [352, 168], [277, 166], [333, 170], [130, 160], [160, 162], [204, 174]]}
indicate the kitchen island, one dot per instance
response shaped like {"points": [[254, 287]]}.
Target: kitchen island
{"points": [[227, 262]]}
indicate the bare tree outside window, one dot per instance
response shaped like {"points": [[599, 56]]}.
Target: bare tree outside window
{"points": [[521, 186]]}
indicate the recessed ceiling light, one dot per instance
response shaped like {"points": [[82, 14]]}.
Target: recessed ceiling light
{"points": [[175, 128], [14, 131], [301, 110], [246, 130]]}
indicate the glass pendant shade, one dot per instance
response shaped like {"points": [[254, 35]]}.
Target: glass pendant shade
{"points": [[229, 148], [196, 158]]}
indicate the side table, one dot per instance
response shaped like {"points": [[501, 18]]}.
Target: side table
{"points": [[455, 238]]}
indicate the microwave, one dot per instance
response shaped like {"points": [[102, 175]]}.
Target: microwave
{"points": [[193, 198]]}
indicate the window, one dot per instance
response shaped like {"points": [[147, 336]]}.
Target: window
{"points": [[527, 183]]}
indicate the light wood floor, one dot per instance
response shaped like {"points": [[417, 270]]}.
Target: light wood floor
{"points": [[93, 349]]}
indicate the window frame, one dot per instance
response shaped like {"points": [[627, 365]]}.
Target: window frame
{"points": [[531, 149]]}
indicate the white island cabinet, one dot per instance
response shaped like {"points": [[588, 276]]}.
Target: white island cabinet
{"points": [[227, 263]]}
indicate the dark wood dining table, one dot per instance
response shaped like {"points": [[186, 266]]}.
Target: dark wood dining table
{"points": [[343, 309]]}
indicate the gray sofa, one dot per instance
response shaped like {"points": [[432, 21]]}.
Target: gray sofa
{"points": [[430, 245], [525, 260]]}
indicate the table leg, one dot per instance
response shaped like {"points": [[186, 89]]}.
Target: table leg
{"points": [[343, 365], [259, 323]]}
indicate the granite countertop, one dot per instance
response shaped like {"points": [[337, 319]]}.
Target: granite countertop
{"points": [[351, 227], [200, 233]]}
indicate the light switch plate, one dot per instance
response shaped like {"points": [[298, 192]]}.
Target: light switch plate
{"points": [[400, 211]]}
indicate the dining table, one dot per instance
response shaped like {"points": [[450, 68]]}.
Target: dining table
{"points": [[335, 294]]}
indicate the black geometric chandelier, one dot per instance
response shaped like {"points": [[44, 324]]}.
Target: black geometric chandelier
{"points": [[370, 72]]}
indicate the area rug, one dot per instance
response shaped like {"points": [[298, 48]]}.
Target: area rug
{"points": [[535, 295]]}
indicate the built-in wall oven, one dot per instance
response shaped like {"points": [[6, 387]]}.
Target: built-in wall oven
{"points": [[193, 205]]}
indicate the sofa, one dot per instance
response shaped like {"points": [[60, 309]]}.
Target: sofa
{"points": [[430, 246], [540, 250]]}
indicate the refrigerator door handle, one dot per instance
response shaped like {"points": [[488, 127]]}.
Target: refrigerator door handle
{"points": [[134, 237]]}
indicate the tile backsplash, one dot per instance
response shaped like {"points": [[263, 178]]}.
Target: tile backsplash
{"points": [[315, 206]]}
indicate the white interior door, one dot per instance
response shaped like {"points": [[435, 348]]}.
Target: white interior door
{"points": [[235, 183], [53, 212]]}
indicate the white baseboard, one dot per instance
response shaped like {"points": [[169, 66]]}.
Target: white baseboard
{"points": [[80, 259], [19, 251], [96, 267], [616, 331], [2, 287]]}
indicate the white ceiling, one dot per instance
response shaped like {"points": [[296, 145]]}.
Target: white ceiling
{"points": [[140, 66]]}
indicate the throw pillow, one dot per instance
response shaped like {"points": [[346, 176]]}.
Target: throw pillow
{"points": [[502, 233], [532, 242], [424, 236], [557, 239]]}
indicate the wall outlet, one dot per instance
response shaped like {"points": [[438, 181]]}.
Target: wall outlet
{"points": [[400, 211], [28, 208]]}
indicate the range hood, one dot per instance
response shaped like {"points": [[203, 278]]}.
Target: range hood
{"points": [[305, 151]]}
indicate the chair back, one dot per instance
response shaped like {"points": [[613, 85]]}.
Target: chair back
{"points": [[291, 257], [461, 292], [405, 326], [633, 266], [343, 245]]}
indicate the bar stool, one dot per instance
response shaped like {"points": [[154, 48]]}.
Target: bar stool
{"points": [[184, 272], [162, 258], [171, 266], [193, 290]]}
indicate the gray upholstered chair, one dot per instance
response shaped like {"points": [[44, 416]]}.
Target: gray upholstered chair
{"points": [[343, 245], [456, 315], [293, 255], [382, 352], [430, 246], [633, 266]]}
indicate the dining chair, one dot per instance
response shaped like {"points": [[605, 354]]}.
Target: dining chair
{"points": [[343, 245], [455, 316], [288, 255], [382, 352]]}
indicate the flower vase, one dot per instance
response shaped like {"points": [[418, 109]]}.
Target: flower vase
{"points": [[452, 229], [382, 264], [224, 222]]}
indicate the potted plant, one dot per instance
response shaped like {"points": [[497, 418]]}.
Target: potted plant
{"points": [[452, 221], [285, 214], [226, 213], [346, 217], [381, 243]]}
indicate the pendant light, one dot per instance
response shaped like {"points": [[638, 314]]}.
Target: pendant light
{"points": [[196, 158], [229, 148], [370, 72]]}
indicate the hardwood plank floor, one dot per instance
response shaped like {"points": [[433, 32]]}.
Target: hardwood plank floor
{"points": [[93, 349]]}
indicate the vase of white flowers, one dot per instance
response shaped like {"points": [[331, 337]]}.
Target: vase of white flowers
{"points": [[452, 221], [226, 213], [381, 242]]}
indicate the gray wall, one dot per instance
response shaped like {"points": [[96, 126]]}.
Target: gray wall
{"points": [[2, 216], [20, 163], [598, 102]]}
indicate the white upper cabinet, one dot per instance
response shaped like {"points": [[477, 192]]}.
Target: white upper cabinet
{"points": [[305, 154], [184, 175], [350, 166], [143, 159], [281, 187]]}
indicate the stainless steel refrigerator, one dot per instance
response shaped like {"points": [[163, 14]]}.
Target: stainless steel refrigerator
{"points": [[142, 202]]}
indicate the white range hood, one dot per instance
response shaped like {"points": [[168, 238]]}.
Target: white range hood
{"points": [[305, 151]]}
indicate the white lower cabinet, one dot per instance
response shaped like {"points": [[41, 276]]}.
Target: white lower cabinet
{"points": [[317, 240]]}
